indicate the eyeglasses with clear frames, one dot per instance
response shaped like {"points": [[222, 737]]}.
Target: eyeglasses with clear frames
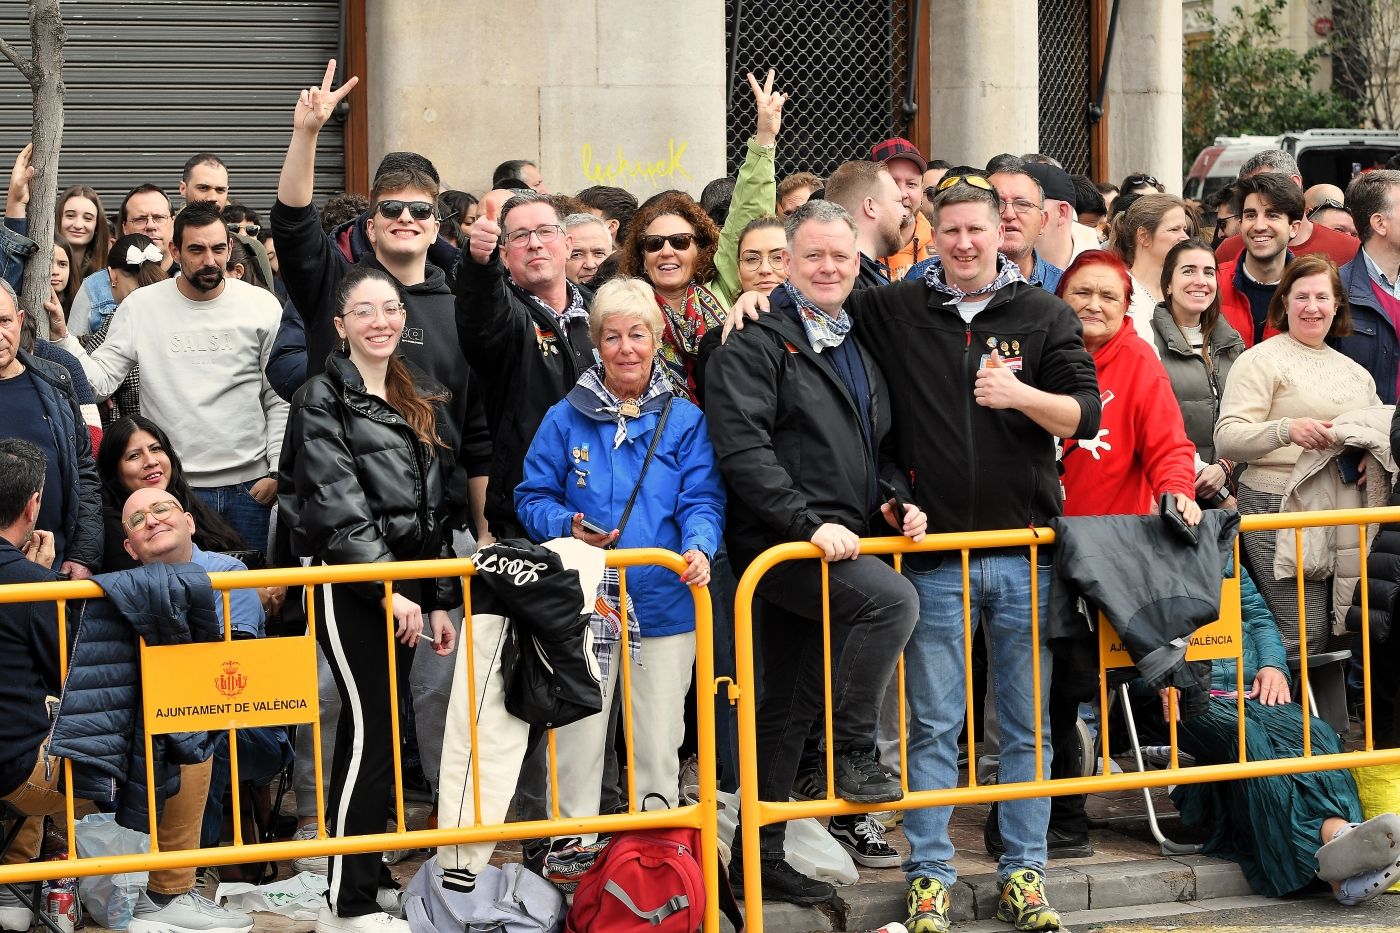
{"points": [[160, 510], [392, 311], [546, 234], [752, 261]]}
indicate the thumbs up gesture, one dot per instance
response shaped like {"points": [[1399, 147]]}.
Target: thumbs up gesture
{"points": [[997, 385], [485, 235]]}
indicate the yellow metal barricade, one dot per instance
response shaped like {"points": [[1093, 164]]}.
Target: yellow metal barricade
{"points": [[1221, 639], [240, 684]]}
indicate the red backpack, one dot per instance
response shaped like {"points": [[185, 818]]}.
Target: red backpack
{"points": [[648, 880]]}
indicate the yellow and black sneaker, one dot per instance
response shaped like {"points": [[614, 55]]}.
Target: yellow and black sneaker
{"points": [[1023, 902], [928, 906]]}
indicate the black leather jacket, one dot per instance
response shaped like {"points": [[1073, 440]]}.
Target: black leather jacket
{"points": [[356, 486]]}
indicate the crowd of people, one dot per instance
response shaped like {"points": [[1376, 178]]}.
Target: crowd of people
{"points": [[902, 347]]}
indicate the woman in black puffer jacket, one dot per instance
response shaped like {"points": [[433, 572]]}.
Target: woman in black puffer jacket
{"points": [[1383, 604], [361, 481]]}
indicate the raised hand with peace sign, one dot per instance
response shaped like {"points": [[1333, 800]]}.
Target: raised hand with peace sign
{"points": [[316, 104], [770, 109], [314, 107]]}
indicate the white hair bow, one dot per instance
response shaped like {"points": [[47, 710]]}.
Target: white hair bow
{"points": [[136, 256]]}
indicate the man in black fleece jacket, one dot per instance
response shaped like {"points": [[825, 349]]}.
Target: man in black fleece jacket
{"points": [[312, 269]]}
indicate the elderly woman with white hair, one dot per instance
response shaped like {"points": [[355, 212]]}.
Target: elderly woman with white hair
{"points": [[622, 461]]}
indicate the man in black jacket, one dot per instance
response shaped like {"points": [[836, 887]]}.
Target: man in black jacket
{"points": [[524, 329], [799, 414]]}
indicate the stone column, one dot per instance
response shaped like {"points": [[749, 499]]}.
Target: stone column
{"points": [[1144, 93], [985, 76]]}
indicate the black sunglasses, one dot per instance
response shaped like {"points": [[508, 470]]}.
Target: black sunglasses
{"points": [[1330, 204], [679, 241], [418, 210], [1136, 181], [251, 230]]}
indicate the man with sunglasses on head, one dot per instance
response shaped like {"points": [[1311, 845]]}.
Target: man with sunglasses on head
{"points": [[401, 228], [1326, 205]]}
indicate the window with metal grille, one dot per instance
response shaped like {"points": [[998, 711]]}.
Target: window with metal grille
{"points": [[1064, 82], [843, 62]]}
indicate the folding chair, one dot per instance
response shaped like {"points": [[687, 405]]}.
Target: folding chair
{"points": [[13, 821], [1223, 638]]}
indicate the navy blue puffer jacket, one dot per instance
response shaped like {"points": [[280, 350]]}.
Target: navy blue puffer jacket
{"points": [[100, 724]]}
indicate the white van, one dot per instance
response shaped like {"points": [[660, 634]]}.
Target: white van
{"points": [[1325, 156]]}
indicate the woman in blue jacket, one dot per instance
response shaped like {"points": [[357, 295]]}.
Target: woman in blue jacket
{"points": [[621, 436]]}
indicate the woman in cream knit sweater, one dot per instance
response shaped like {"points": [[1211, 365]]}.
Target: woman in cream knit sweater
{"points": [[1281, 399]]}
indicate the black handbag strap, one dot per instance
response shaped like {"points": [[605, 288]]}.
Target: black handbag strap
{"points": [[651, 452]]}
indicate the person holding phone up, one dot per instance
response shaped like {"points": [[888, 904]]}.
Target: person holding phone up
{"points": [[623, 461]]}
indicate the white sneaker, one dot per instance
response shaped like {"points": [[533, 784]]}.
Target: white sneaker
{"points": [[14, 916], [328, 922], [390, 900], [316, 864], [188, 913]]}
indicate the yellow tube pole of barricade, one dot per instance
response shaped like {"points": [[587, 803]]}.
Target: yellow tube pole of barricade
{"points": [[309, 595], [1239, 672], [970, 698], [554, 777], [150, 770], [235, 797], [469, 659], [903, 707], [826, 679], [705, 739], [68, 802], [1303, 643], [747, 841], [1171, 726], [394, 703], [624, 658], [1035, 670], [1365, 640], [1103, 715]]}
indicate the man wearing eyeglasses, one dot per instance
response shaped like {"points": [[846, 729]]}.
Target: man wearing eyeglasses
{"points": [[402, 227], [1023, 218], [145, 209]]}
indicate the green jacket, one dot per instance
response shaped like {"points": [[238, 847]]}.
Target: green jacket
{"points": [[755, 194], [1263, 646]]}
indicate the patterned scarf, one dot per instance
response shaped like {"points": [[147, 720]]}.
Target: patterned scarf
{"points": [[574, 311], [1007, 273], [822, 329], [680, 339], [606, 620]]}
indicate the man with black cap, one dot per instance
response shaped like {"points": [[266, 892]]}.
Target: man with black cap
{"points": [[907, 166], [1057, 244]]}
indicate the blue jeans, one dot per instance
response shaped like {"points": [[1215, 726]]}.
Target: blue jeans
{"points": [[937, 698], [247, 516], [262, 754]]}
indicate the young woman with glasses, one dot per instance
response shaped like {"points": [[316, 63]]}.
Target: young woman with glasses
{"points": [[362, 480]]}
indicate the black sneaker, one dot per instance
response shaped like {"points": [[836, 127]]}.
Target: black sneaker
{"points": [[860, 779], [782, 882], [810, 785], [1064, 844], [864, 838]]}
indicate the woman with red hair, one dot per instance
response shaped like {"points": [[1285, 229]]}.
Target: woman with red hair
{"points": [[1142, 449]]}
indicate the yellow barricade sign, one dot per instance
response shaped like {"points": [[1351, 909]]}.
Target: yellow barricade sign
{"points": [[229, 685], [1219, 639]]}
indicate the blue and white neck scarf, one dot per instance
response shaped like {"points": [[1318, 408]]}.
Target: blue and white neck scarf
{"points": [[1007, 273], [822, 329]]}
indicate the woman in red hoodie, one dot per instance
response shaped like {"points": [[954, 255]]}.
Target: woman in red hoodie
{"points": [[1142, 449]]}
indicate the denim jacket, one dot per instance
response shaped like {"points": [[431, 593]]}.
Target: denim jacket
{"points": [[15, 250]]}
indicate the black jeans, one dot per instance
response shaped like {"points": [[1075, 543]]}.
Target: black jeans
{"points": [[878, 609]]}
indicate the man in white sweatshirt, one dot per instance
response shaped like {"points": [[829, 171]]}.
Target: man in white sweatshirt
{"points": [[202, 342]]}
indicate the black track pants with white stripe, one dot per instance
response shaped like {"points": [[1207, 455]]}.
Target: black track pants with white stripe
{"points": [[351, 628]]}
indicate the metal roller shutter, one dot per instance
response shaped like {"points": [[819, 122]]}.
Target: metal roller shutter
{"points": [[151, 82]]}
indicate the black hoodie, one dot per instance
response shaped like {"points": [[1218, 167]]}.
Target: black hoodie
{"points": [[312, 270]]}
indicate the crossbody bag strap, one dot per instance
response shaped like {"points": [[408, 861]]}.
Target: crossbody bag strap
{"points": [[651, 452]]}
